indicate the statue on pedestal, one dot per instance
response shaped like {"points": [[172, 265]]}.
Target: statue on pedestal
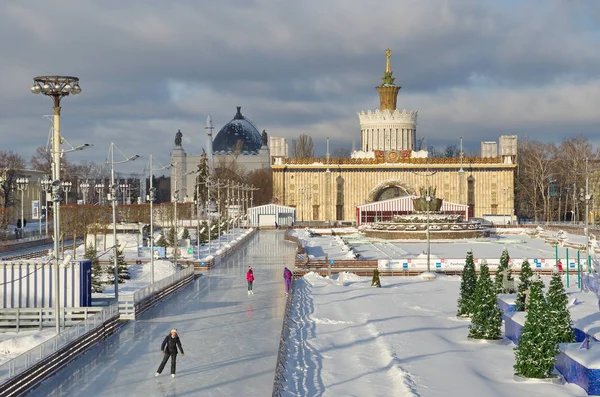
{"points": [[178, 137]]}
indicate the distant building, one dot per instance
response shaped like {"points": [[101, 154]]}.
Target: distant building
{"points": [[388, 166], [239, 139]]}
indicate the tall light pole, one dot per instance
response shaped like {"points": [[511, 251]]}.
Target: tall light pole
{"points": [[56, 87], [22, 185], [428, 199], [100, 190], [124, 189], [152, 198], [46, 183], [67, 186], [84, 187], [113, 199], [585, 195]]}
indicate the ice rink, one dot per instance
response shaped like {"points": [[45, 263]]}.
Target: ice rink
{"points": [[230, 339]]}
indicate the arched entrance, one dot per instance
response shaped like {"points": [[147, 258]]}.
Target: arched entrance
{"points": [[390, 189]]}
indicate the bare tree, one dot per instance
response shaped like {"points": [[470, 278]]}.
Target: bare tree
{"points": [[452, 151], [263, 180], [10, 165], [303, 147]]}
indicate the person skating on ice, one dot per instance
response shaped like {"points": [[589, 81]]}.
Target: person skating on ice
{"points": [[169, 349], [250, 279], [287, 277]]}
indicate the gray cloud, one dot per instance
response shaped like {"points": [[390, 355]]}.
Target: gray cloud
{"points": [[148, 68]]}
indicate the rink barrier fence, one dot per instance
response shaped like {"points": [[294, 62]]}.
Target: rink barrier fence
{"points": [[131, 306], [29, 369], [31, 318], [284, 353]]}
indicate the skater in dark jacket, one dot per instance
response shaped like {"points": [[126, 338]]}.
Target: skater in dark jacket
{"points": [[287, 277], [169, 349], [250, 279]]}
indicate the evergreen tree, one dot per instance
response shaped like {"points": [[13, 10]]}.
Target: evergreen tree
{"points": [[536, 352], [376, 282], [123, 269], [467, 287], [486, 319], [91, 254], [502, 269], [560, 318], [524, 284], [171, 238], [204, 235], [202, 176], [186, 234], [162, 241]]}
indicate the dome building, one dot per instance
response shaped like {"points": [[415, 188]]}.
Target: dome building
{"points": [[239, 135], [238, 140]]}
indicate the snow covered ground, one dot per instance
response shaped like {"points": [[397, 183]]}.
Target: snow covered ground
{"points": [[351, 339], [402, 339]]}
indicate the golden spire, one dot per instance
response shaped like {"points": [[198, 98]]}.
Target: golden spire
{"points": [[388, 91], [388, 55]]}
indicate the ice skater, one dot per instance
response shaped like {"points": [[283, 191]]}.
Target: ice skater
{"points": [[287, 277], [169, 349], [250, 279]]}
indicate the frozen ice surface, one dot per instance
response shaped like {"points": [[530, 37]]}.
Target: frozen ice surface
{"points": [[230, 339]]}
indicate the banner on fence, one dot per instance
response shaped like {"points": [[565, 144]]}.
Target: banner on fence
{"points": [[159, 252]]}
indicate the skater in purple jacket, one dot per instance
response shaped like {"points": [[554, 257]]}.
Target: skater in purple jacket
{"points": [[287, 277]]}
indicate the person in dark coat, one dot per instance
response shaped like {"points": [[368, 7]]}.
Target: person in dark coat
{"points": [[169, 349]]}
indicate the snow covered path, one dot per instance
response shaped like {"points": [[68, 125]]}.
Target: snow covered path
{"points": [[230, 339]]}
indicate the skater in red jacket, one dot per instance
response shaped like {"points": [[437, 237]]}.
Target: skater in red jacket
{"points": [[250, 279]]}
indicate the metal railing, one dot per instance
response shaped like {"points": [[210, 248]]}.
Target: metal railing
{"points": [[284, 352], [127, 303], [14, 319], [32, 357]]}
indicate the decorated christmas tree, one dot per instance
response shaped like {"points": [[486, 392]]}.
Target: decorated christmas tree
{"points": [[467, 287], [524, 284], [376, 282], [91, 254], [502, 272], [560, 318], [123, 270], [486, 319], [536, 352]]}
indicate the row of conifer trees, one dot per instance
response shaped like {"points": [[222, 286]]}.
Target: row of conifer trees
{"points": [[547, 322]]}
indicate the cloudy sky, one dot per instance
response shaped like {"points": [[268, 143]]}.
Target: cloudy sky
{"points": [[472, 68]]}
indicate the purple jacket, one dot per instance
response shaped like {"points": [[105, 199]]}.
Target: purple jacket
{"points": [[287, 274]]}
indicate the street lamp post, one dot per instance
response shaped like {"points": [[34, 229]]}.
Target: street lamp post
{"points": [[46, 183], [66, 185], [84, 187], [113, 199], [124, 189], [428, 199], [152, 198], [100, 190], [22, 185], [56, 87]]}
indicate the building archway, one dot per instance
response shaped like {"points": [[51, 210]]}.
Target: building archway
{"points": [[390, 189]]}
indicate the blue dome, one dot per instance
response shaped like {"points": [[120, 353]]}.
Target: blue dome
{"points": [[238, 135]]}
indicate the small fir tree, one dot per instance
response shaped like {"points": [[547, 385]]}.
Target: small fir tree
{"points": [[524, 284], [162, 241], [123, 269], [91, 254], [376, 282], [204, 234], [502, 269], [467, 287], [171, 238], [186, 234], [559, 316], [536, 352], [486, 320]]}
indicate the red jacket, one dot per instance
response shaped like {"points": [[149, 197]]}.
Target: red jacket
{"points": [[250, 276]]}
